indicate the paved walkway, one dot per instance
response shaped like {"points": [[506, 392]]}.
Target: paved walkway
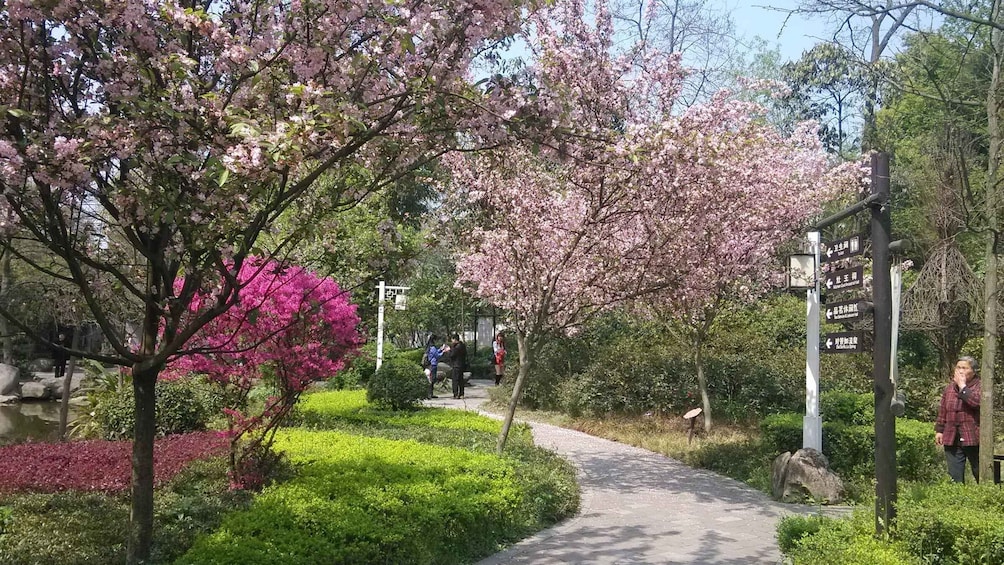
{"points": [[642, 507]]}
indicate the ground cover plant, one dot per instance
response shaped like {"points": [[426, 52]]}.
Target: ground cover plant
{"points": [[97, 465], [368, 486], [942, 524], [434, 493], [85, 528]]}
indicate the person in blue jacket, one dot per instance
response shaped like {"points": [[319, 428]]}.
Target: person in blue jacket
{"points": [[430, 362]]}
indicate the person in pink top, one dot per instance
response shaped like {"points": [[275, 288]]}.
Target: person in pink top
{"points": [[498, 352]]}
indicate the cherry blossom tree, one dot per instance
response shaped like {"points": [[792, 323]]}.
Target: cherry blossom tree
{"points": [[626, 198], [288, 328], [178, 131]]}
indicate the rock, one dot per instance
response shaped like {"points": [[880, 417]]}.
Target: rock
{"points": [[777, 474], [11, 399], [9, 375], [55, 387], [805, 476], [34, 391]]}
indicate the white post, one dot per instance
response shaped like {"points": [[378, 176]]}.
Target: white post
{"points": [[812, 423], [382, 290], [896, 277]]}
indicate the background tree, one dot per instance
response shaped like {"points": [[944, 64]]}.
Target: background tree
{"points": [[965, 110], [621, 207], [701, 31], [827, 85], [867, 29], [182, 132]]}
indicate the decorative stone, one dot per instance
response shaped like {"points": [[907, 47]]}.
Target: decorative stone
{"points": [[777, 470], [11, 399], [9, 375], [805, 476], [55, 387], [34, 391]]}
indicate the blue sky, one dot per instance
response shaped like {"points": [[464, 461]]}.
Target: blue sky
{"points": [[756, 19]]}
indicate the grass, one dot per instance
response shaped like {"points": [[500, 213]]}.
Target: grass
{"points": [[731, 450]]}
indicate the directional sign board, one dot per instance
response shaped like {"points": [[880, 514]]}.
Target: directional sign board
{"points": [[845, 278], [843, 248], [845, 311], [844, 342]]}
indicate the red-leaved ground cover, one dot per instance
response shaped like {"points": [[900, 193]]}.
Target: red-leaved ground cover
{"points": [[97, 465]]}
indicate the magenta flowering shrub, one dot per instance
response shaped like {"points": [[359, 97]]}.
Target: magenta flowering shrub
{"points": [[289, 327], [98, 465]]}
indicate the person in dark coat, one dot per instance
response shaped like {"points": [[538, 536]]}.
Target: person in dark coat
{"points": [[457, 357], [957, 428], [60, 357]]}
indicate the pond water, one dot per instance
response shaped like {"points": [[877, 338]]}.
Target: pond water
{"points": [[30, 421]]}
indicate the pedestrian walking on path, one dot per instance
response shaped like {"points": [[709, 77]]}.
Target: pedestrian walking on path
{"points": [[642, 507]]}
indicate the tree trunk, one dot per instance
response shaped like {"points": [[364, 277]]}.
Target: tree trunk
{"points": [[525, 359], [71, 366], [990, 283], [702, 379], [6, 280], [144, 379]]}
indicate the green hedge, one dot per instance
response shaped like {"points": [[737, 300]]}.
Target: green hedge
{"points": [[850, 448], [372, 500], [823, 541], [183, 405], [943, 524], [847, 407], [398, 384], [953, 523]]}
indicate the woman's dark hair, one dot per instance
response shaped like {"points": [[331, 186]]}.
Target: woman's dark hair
{"points": [[456, 337], [431, 340]]}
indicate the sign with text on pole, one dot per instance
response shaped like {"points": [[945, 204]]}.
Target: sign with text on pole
{"points": [[845, 311], [844, 279], [844, 342], [843, 248]]}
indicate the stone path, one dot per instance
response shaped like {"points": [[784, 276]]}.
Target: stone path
{"points": [[642, 507]]}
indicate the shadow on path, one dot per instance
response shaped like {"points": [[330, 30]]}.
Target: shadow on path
{"points": [[642, 507]]}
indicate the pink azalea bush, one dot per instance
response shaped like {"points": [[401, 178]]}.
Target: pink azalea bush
{"points": [[98, 465], [290, 327]]}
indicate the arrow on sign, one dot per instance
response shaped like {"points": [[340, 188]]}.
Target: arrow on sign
{"points": [[829, 314], [829, 343], [829, 283]]}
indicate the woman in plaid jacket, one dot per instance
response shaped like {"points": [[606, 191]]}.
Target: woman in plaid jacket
{"points": [[958, 425]]}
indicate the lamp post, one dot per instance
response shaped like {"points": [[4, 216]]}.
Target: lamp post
{"points": [[400, 301], [802, 273]]}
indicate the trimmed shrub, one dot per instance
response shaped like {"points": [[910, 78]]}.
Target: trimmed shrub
{"points": [[954, 523], [782, 432], [851, 448], [398, 384], [917, 458], [371, 500], [847, 407], [183, 406], [346, 379], [412, 355], [839, 542], [791, 530]]}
